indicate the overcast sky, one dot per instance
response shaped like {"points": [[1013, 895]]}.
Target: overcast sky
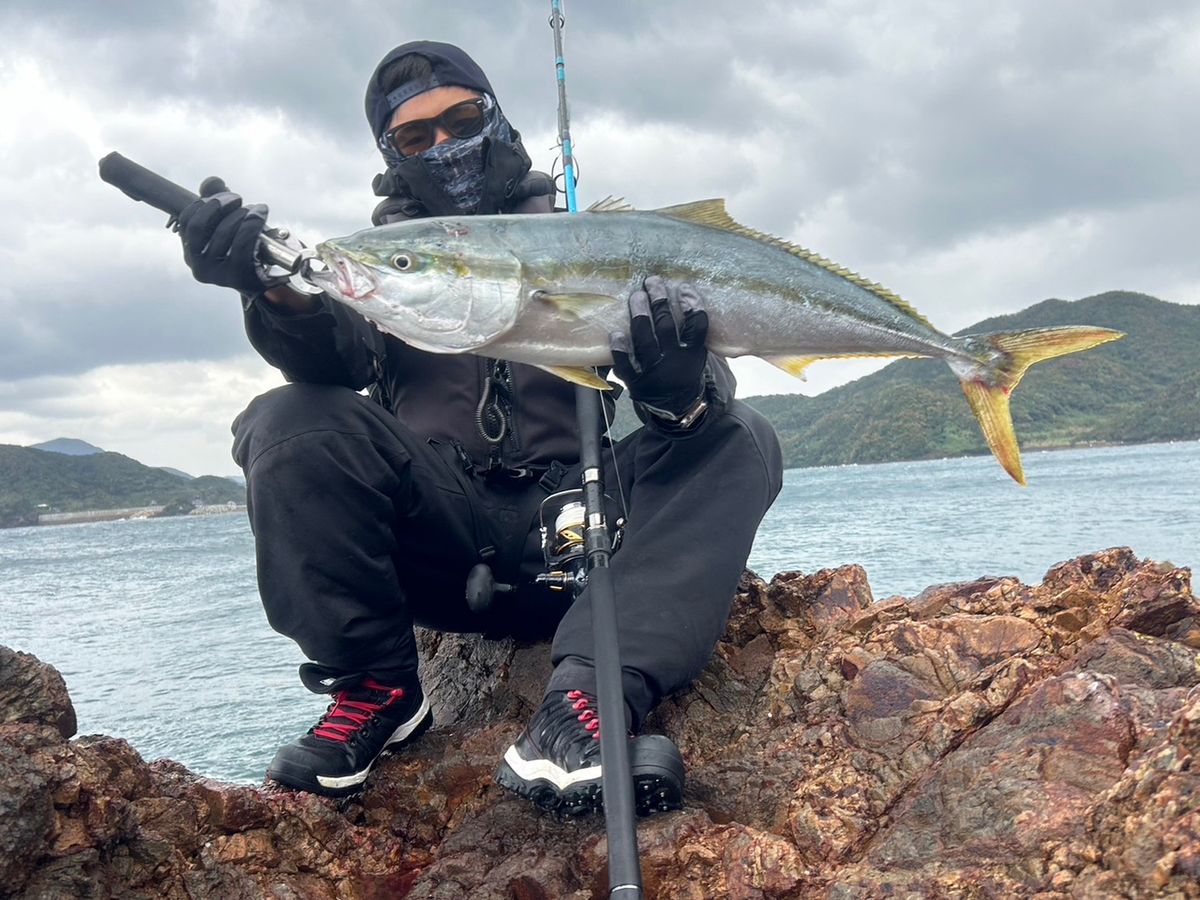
{"points": [[975, 158]]}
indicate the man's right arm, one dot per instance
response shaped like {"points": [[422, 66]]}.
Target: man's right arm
{"points": [[311, 338], [308, 338], [287, 300]]}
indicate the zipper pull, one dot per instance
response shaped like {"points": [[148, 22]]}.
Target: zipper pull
{"points": [[464, 458]]}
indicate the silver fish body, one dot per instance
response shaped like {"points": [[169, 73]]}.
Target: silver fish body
{"points": [[549, 290]]}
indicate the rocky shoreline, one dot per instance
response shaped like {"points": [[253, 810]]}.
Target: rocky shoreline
{"points": [[984, 739]]}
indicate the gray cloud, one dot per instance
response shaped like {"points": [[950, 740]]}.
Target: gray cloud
{"points": [[977, 160]]}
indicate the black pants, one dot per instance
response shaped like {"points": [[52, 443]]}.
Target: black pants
{"points": [[362, 528]]}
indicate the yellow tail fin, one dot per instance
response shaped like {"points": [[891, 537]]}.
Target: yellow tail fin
{"points": [[989, 384]]}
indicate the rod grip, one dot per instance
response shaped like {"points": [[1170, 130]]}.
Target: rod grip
{"points": [[140, 183]]}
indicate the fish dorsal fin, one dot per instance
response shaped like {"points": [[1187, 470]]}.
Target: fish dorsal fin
{"points": [[704, 212], [610, 204], [712, 213]]}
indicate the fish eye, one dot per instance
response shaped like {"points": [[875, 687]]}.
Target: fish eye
{"points": [[404, 262]]}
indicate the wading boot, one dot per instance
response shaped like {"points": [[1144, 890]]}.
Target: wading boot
{"points": [[556, 761], [336, 755]]}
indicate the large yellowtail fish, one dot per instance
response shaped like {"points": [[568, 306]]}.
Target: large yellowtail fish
{"points": [[549, 289]]}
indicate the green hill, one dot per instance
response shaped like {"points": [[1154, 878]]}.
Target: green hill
{"points": [[30, 478], [1145, 387]]}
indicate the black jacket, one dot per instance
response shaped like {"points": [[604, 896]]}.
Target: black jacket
{"points": [[439, 395]]}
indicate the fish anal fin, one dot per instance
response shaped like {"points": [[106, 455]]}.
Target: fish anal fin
{"points": [[579, 375], [574, 305], [793, 365], [796, 365]]}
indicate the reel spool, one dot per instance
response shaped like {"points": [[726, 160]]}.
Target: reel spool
{"points": [[562, 522]]}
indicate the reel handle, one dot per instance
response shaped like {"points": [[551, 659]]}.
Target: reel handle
{"points": [[482, 588], [141, 184]]}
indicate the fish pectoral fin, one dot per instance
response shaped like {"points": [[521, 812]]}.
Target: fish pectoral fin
{"points": [[793, 365], [571, 304], [578, 375]]}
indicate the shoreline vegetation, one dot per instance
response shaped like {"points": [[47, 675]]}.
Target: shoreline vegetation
{"points": [[1025, 451], [1144, 389]]}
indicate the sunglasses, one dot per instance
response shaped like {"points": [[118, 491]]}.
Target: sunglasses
{"points": [[462, 120]]}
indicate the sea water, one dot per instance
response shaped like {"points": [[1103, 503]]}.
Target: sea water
{"points": [[156, 626]]}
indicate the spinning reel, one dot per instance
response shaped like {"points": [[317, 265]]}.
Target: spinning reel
{"points": [[563, 542], [561, 523]]}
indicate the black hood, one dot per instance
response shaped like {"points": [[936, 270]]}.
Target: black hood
{"points": [[450, 64], [407, 183]]}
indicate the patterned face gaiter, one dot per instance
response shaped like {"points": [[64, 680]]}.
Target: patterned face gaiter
{"points": [[457, 165]]}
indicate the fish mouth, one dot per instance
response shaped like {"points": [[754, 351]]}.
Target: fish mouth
{"points": [[345, 276]]}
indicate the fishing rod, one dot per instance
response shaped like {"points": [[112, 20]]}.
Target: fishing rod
{"points": [[624, 867]]}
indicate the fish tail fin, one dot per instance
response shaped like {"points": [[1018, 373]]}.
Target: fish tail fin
{"points": [[989, 383]]}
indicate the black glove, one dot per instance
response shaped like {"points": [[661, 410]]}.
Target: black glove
{"points": [[662, 359], [220, 238]]}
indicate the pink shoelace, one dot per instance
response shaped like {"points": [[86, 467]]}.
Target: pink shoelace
{"points": [[588, 716], [355, 713]]}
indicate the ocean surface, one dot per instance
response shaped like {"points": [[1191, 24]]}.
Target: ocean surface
{"points": [[156, 626]]}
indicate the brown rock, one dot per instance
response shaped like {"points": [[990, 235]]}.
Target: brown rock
{"points": [[1142, 836], [984, 739], [33, 693], [476, 682], [26, 816], [823, 600], [1137, 660], [1024, 780]]}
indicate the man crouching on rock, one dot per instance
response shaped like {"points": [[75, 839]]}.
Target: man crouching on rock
{"points": [[368, 512]]}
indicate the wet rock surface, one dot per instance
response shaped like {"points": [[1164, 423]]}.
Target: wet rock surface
{"points": [[984, 739]]}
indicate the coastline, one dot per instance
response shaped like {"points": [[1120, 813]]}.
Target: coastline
{"points": [[154, 512], [130, 513], [986, 454]]}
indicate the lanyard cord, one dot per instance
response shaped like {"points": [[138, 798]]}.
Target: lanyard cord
{"points": [[494, 412]]}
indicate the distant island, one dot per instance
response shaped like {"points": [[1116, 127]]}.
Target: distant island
{"points": [[1142, 389], [47, 482], [67, 447]]}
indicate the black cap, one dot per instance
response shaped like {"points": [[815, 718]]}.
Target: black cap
{"points": [[450, 64]]}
